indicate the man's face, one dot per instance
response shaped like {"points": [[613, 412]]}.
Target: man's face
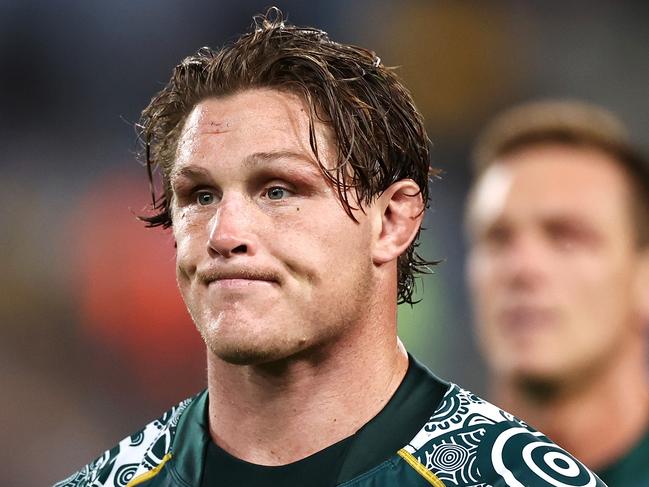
{"points": [[268, 262], [552, 262]]}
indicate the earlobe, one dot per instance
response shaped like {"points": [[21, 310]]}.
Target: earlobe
{"points": [[401, 210]]}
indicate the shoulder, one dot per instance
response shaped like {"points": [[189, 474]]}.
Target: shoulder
{"points": [[468, 441], [137, 454]]}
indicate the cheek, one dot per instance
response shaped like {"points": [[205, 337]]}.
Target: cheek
{"points": [[309, 250], [481, 277], [190, 240], [596, 298], [348, 241], [589, 277], [332, 251], [323, 231], [603, 291]]}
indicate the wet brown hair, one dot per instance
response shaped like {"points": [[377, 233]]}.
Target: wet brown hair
{"points": [[573, 123], [379, 134]]}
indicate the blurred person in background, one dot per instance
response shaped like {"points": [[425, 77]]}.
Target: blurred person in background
{"points": [[295, 174], [558, 227]]}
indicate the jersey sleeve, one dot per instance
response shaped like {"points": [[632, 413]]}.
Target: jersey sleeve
{"points": [[469, 442]]}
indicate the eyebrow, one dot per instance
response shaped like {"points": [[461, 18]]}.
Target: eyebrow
{"points": [[253, 160], [189, 172], [262, 158]]}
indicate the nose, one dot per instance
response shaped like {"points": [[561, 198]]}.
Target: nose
{"points": [[525, 262], [230, 231]]}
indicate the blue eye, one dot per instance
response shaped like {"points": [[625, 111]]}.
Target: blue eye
{"points": [[276, 193], [204, 198]]}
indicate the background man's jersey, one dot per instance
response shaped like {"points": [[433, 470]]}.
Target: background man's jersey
{"points": [[632, 470]]}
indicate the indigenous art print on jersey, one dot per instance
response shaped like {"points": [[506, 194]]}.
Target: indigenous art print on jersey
{"points": [[469, 441], [134, 456]]}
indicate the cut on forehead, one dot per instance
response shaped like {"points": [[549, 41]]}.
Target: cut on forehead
{"points": [[219, 112], [269, 125]]}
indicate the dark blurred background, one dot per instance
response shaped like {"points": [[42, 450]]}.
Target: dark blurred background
{"points": [[94, 340]]}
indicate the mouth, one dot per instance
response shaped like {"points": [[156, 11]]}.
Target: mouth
{"points": [[238, 283], [237, 278], [527, 318]]}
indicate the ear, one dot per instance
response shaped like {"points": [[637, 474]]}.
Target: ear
{"points": [[399, 212], [641, 286]]}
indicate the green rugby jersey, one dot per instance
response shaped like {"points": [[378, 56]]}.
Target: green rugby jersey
{"points": [[632, 470], [430, 433]]}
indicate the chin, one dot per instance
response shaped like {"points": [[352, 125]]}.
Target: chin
{"points": [[251, 353], [536, 374], [245, 356], [520, 368], [541, 376], [540, 385]]}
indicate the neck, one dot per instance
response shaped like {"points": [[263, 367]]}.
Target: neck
{"points": [[577, 414], [260, 413]]}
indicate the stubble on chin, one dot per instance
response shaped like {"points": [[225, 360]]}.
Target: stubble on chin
{"points": [[246, 355], [235, 343], [242, 357]]}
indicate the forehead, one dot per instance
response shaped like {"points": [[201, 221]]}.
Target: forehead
{"points": [[247, 122], [553, 180]]}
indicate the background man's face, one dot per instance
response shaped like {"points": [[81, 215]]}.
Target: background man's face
{"points": [[268, 262], [552, 262]]}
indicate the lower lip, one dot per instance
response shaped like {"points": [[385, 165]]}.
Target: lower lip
{"points": [[238, 283], [528, 320]]}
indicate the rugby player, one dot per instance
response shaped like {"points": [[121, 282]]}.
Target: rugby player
{"points": [[295, 179]]}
